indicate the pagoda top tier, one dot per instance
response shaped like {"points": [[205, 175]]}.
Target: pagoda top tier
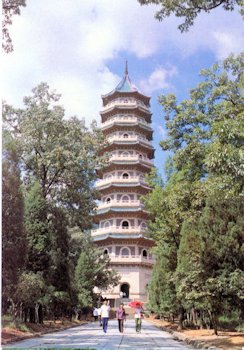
{"points": [[125, 87]]}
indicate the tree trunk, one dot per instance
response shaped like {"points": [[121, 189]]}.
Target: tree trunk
{"points": [[181, 318], [40, 314], [193, 316], [14, 312], [26, 312], [36, 313], [32, 314], [215, 323]]}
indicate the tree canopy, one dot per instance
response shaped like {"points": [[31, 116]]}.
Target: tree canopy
{"points": [[9, 8], [198, 213], [61, 154], [49, 172], [190, 9]]}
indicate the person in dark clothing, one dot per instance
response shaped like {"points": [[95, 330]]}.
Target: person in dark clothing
{"points": [[121, 317]]}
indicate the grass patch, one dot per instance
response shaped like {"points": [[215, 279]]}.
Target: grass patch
{"points": [[240, 328], [22, 327], [231, 322], [19, 326], [6, 318]]}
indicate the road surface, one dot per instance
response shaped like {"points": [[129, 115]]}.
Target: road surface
{"points": [[91, 336]]}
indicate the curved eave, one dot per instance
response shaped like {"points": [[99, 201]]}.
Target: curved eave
{"points": [[122, 237], [121, 186], [114, 94], [128, 108], [129, 144], [138, 146], [132, 238], [118, 210], [120, 126], [148, 264], [121, 165], [141, 214], [113, 189]]}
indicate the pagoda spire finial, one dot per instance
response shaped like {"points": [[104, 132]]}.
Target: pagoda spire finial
{"points": [[126, 67]]}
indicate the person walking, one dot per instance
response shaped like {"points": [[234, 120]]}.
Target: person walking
{"points": [[99, 316], [95, 313], [138, 317], [105, 309], [121, 317]]}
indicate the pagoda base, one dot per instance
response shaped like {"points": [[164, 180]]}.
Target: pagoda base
{"points": [[132, 285]]}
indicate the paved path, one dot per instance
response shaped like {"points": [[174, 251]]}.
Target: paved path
{"points": [[91, 336]]}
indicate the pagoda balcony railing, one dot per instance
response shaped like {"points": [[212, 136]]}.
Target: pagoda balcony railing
{"points": [[126, 120], [131, 258], [118, 229], [125, 102], [133, 138], [128, 158], [117, 179], [121, 203]]}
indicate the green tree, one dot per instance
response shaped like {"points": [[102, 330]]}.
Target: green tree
{"points": [[192, 214], [162, 291], [189, 10], [92, 270], [210, 260], [58, 162], [169, 206], [205, 132], [59, 253], [13, 232], [30, 291], [38, 236], [60, 154]]}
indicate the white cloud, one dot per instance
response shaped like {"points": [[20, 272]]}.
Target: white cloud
{"points": [[158, 80], [84, 98], [69, 45], [162, 131], [226, 42], [217, 32]]}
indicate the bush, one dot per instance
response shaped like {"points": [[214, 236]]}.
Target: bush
{"points": [[231, 321]]}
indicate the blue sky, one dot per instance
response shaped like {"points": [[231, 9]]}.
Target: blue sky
{"points": [[79, 48]]}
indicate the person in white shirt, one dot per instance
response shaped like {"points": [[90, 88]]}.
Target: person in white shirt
{"points": [[99, 316], [95, 313], [105, 309]]}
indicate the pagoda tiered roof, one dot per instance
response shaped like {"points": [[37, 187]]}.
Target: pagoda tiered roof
{"points": [[126, 87], [110, 237]]}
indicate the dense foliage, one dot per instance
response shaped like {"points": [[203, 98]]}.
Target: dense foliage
{"points": [[49, 171], [9, 9], [198, 214], [190, 9]]}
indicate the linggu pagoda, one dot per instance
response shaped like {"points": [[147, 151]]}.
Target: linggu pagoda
{"points": [[120, 218]]}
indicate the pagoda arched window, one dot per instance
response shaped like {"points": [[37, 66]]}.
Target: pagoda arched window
{"points": [[125, 224], [105, 252], [125, 251], [125, 136], [125, 154], [106, 224], [125, 176], [143, 225], [125, 198], [108, 200], [144, 253]]}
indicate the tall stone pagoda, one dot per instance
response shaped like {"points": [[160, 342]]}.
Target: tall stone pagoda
{"points": [[120, 218]]}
